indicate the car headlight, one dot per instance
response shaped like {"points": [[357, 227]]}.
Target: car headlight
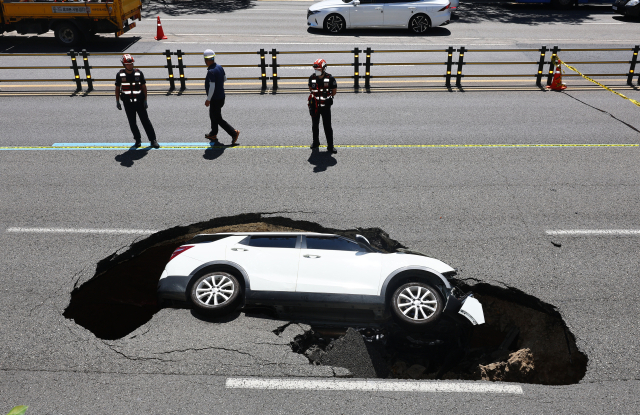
{"points": [[310, 12], [633, 3]]}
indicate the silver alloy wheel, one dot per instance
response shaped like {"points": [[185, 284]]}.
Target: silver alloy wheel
{"points": [[420, 24], [335, 23], [215, 287], [419, 301]]}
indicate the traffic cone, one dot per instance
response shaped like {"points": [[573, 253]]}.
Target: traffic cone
{"points": [[160, 34], [556, 83]]}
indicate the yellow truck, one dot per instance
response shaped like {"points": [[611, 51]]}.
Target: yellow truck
{"points": [[71, 21]]}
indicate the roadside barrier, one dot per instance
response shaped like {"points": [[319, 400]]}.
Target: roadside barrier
{"points": [[452, 65], [598, 83]]}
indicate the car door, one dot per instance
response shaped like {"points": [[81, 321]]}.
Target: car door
{"points": [[397, 13], [367, 13], [330, 264], [271, 261]]}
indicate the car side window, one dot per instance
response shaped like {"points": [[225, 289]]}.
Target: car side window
{"points": [[332, 243], [273, 241]]}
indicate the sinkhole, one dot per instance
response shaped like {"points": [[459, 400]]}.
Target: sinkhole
{"points": [[523, 340]]}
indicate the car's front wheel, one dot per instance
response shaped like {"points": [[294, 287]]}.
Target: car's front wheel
{"points": [[334, 23], [419, 24], [417, 304], [215, 293]]}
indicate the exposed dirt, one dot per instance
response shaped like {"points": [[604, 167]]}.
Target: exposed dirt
{"points": [[516, 344], [523, 339]]}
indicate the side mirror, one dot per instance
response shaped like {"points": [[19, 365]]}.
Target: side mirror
{"points": [[361, 239], [356, 3]]}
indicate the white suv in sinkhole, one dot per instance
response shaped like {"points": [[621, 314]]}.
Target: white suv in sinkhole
{"points": [[327, 273]]}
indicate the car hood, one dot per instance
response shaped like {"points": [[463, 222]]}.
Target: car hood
{"points": [[401, 260], [326, 3]]}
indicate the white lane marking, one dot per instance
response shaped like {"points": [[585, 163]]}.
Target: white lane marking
{"points": [[594, 232], [371, 385], [171, 20], [80, 230]]}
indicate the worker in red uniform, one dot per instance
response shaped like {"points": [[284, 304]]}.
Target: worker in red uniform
{"points": [[323, 88], [132, 89]]}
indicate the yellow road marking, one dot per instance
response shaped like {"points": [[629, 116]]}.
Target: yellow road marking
{"points": [[280, 82]]}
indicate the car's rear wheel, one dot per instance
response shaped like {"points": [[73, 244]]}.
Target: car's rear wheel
{"points": [[67, 34], [334, 23], [419, 23], [417, 304], [215, 293]]}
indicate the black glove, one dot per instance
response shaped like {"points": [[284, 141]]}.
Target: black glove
{"points": [[145, 104], [118, 106]]}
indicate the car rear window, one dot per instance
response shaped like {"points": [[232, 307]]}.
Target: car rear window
{"points": [[273, 241], [332, 243]]}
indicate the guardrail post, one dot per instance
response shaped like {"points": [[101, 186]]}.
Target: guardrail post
{"points": [[356, 68], [87, 70], [447, 81], [263, 69], [76, 71], [274, 68], [632, 68], [367, 68], [183, 84], [169, 66], [459, 71], [543, 52], [552, 66]]}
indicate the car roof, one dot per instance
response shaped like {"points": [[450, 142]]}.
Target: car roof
{"points": [[269, 233]]}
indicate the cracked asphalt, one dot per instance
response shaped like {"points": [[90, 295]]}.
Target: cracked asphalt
{"points": [[483, 210]]}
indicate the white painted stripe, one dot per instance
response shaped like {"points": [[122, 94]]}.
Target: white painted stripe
{"points": [[81, 230], [371, 385], [594, 232]]}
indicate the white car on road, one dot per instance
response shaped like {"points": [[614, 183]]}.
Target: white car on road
{"points": [[217, 273], [417, 16]]}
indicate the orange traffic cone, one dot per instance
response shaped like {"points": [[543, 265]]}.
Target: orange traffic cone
{"points": [[160, 34], [556, 83]]}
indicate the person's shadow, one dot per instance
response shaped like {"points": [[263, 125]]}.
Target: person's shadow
{"points": [[321, 160], [213, 152], [132, 155]]}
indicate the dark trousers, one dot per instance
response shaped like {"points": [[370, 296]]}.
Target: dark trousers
{"points": [[133, 108], [325, 112], [215, 113]]}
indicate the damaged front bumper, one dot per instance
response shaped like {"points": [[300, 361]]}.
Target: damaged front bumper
{"points": [[465, 305]]}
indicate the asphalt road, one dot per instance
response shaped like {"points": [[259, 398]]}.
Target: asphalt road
{"points": [[484, 209]]}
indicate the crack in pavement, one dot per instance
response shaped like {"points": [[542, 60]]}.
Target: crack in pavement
{"points": [[603, 111]]}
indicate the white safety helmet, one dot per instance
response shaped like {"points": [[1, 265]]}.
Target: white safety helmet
{"points": [[209, 54]]}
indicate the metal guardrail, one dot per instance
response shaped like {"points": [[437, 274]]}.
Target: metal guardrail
{"points": [[449, 62]]}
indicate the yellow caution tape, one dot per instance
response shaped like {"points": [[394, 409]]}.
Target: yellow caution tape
{"points": [[598, 83]]}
